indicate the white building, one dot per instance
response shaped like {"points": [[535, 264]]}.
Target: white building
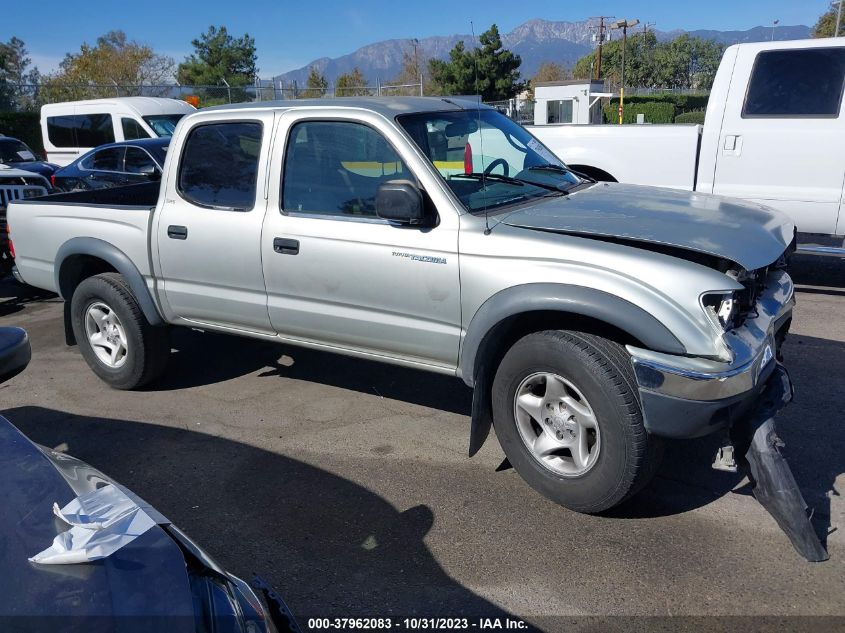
{"points": [[572, 101]]}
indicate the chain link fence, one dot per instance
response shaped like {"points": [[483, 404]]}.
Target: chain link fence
{"points": [[26, 97]]}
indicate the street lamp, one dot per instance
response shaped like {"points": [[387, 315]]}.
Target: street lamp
{"points": [[624, 25]]}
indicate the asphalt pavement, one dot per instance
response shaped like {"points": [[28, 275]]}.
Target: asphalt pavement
{"points": [[346, 485]]}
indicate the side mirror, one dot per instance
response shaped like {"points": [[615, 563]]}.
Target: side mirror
{"points": [[149, 171], [400, 201], [15, 352]]}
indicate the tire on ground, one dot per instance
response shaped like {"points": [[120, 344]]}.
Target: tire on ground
{"points": [[601, 369], [148, 346]]}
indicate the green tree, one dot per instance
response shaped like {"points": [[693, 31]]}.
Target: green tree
{"points": [[685, 62], [826, 25], [219, 56], [316, 85], [489, 70], [352, 84], [114, 66], [14, 72]]}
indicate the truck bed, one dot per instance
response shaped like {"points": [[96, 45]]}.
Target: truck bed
{"points": [[658, 155], [119, 216]]}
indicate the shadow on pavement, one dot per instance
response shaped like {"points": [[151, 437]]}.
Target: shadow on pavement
{"points": [[827, 273], [15, 296], [330, 547], [204, 358]]}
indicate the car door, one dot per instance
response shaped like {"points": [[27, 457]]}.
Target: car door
{"points": [[104, 168], [782, 133], [336, 274], [208, 231], [139, 166]]}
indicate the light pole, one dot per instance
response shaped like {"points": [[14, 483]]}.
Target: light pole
{"points": [[838, 18], [624, 25], [774, 24]]}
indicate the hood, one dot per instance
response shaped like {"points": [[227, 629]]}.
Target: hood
{"points": [[40, 167], [145, 578], [751, 235]]}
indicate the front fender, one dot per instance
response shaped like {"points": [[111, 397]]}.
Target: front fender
{"points": [[553, 297]]}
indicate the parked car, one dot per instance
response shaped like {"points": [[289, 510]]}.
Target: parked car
{"points": [[72, 128], [114, 165], [15, 153], [162, 580], [15, 184], [771, 135], [591, 319]]}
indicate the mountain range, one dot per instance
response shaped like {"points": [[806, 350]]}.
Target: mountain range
{"points": [[536, 41]]}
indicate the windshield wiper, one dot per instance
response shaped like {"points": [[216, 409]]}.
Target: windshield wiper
{"points": [[561, 170], [511, 181]]}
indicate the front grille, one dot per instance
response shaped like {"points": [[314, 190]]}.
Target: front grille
{"points": [[754, 282], [10, 193]]}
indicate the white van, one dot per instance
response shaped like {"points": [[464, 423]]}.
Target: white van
{"points": [[72, 128]]}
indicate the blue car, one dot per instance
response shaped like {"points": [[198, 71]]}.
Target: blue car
{"points": [[161, 581], [114, 165], [17, 154]]}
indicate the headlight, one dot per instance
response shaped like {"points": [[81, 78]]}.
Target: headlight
{"points": [[32, 192], [722, 308]]}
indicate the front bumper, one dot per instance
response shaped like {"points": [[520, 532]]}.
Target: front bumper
{"points": [[690, 397]]}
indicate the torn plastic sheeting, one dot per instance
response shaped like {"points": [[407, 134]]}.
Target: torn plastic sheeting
{"points": [[101, 523]]}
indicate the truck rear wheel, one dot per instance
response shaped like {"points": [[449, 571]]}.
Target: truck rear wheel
{"points": [[114, 336], [567, 414]]}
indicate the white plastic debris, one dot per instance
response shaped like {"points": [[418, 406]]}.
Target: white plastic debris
{"points": [[101, 523]]}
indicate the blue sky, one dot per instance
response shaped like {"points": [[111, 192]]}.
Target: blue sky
{"points": [[291, 34]]}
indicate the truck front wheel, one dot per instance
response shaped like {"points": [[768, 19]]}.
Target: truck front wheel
{"points": [[114, 336], [567, 414]]}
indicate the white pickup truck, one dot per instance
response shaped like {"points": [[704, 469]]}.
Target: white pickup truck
{"points": [[773, 134]]}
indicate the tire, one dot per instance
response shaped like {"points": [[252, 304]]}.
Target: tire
{"points": [[105, 304], [576, 435]]}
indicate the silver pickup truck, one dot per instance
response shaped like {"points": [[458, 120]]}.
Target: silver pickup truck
{"points": [[591, 319]]}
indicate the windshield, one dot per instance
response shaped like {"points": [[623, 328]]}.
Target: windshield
{"points": [[487, 160], [163, 124], [14, 151]]}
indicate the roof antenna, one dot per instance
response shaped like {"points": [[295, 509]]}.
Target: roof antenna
{"points": [[480, 133]]}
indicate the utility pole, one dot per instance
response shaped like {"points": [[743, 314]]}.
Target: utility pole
{"points": [[624, 25], [838, 18], [416, 43], [599, 37]]}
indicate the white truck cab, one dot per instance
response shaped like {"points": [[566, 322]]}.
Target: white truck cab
{"points": [[72, 128], [772, 134]]}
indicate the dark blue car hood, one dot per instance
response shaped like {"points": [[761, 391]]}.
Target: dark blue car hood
{"points": [[38, 167], [144, 582]]}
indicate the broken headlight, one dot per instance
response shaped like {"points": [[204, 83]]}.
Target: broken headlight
{"points": [[722, 308]]}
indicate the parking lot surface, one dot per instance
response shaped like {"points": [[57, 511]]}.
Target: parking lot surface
{"points": [[346, 485]]}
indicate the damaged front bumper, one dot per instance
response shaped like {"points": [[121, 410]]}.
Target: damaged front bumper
{"points": [[686, 397]]}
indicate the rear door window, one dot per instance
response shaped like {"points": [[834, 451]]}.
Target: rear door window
{"points": [[80, 130], [132, 129], [61, 130], [219, 165], [796, 83], [109, 159]]}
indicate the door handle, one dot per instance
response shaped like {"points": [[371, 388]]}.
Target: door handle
{"points": [[286, 246], [732, 145], [176, 232]]}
